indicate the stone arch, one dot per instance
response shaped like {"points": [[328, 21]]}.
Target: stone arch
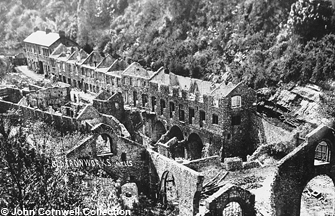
{"points": [[179, 149], [168, 193], [311, 191], [158, 131], [231, 193], [194, 146], [247, 206], [175, 131], [108, 136], [233, 208], [105, 144]]}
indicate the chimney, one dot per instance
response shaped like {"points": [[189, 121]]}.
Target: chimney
{"points": [[36, 29], [166, 71], [61, 33], [47, 31]]}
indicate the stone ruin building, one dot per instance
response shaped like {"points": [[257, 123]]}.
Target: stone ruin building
{"points": [[180, 139]]}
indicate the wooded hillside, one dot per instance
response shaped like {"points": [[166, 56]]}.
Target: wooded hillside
{"points": [[260, 41]]}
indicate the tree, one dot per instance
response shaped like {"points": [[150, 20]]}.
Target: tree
{"points": [[310, 18], [121, 5]]}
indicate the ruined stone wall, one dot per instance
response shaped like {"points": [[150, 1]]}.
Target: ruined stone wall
{"points": [[235, 139], [13, 95], [55, 96], [113, 106], [129, 163], [135, 167], [115, 83], [63, 123], [238, 142], [265, 132], [297, 168], [188, 182], [138, 85], [208, 132]]}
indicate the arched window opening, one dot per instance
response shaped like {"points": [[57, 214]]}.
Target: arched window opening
{"points": [[104, 144], [178, 150], [322, 154], [168, 191], [232, 209], [158, 131], [194, 146], [236, 102]]}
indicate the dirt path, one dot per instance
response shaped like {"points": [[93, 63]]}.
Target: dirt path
{"points": [[31, 74]]}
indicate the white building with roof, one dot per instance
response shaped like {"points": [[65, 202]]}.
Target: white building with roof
{"points": [[38, 47]]}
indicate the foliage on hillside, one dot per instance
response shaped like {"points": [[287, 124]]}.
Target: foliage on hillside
{"points": [[262, 42], [28, 179]]}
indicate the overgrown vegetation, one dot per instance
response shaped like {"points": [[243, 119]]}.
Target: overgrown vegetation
{"points": [[28, 179], [262, 42]]}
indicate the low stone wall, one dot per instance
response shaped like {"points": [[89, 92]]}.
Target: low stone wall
{"points": [[251, 164], [234, 163], [63, 123], [203, 162]]}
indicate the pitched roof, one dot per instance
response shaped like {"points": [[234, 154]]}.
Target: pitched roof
{"points": [[224, 90], [63, 52], [42, 38], [115, 68], [185, 83], [78, 56], [115, 73], [89, 112], [160, 77], [201, 86], [106, 62], [93, 59], [136, 70]]}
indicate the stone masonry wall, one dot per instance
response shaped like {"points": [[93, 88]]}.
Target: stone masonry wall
{"points": [[188, 182], [112, 106], [297, 168], [128, 163], [64, 123]]}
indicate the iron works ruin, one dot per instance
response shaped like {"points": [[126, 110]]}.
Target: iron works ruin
{"points": [[188, 140]]}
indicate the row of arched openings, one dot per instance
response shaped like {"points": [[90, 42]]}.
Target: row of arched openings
{"points": [[192, 147]]}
